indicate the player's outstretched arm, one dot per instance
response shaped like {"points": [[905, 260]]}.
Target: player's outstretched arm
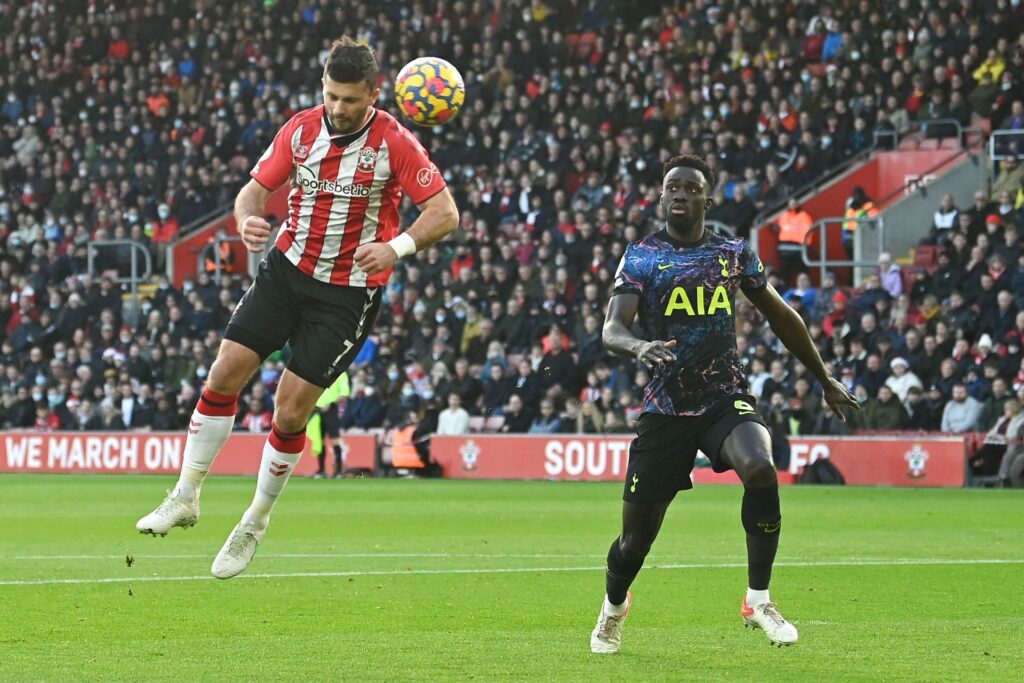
{"points": [[789, 327], [249, 207], [439, 217], [618, 338]]}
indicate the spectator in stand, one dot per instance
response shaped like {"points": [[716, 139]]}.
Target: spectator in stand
{"points": [[589, 419], [902, 378], [257, 418], [548, 421], [890, 275], [992, 409], [453, 420], [986, 460], [884, 413], [364, 409], [806, 291], [517, 417], [946, 220], [776, 414], [961, 414]]}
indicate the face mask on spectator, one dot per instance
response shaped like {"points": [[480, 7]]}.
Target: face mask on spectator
{"points": [[1013, 349], [765, 143], [460, 314], [392, 375], [201, 373], [805, 77], [408, 392], [54, 400], [60, 355], [855, 55], [724, 111], [369, 391], [428, 394], [439, 318], [709, 113], [37, 396], [826, 141]]}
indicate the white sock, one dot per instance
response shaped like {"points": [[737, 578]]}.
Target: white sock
{"points": [[755, 598], [280, 455], [615, 610], [207, 432]]}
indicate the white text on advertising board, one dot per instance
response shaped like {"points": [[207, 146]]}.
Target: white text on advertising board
{"points": [[593, 458]]}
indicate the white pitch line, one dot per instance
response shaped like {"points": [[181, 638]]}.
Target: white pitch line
{"points": [[507, 570], [305, 555]]}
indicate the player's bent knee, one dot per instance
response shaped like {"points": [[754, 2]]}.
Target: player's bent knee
{"points": [[635, 546], [759, 474]]}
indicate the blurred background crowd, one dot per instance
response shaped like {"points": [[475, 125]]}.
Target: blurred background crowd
{"points": [[135, 120]]}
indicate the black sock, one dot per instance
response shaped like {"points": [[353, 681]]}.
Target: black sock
{"points": [[320, 464], [762, 520], [337, 459], [620, 573]]}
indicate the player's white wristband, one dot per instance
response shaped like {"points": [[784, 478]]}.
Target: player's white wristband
{"points": [[403, 245]]}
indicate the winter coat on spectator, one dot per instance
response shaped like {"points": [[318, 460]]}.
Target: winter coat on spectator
{"points": [[496, 395], [924, 415], [827, 422], [885, 415], [363, 411], [546, 425], [901, 385], [961, 416], [517, 423], [558, 368]]}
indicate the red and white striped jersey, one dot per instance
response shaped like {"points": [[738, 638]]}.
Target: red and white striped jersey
{"points": [[346, 190]]}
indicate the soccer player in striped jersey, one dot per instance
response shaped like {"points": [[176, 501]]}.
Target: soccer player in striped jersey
{"points": [[318, 288]]}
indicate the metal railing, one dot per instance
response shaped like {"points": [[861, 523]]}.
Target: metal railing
{"points": [[823, 263], [134, 277], [1000, 147]]}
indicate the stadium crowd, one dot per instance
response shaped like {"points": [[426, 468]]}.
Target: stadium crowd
{"points": [[133, 120]]}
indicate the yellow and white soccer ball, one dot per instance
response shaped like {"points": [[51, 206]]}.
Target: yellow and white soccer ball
{"points": [[429, 91]]}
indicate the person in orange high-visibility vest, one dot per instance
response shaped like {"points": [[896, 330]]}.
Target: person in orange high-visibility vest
{"points": [[404, 451], [794, 223], [858, 207], [227, 257]]}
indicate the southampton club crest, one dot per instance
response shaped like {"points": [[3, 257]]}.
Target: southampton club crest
{"points": [[916, 458], [469, 452], [367, 159]]}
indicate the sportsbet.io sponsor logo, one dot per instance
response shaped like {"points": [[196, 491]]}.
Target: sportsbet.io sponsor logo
{"points": [[307, 180]]}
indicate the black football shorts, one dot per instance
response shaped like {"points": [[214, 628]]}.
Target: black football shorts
{"points": [[326, 324], [661, 456]]}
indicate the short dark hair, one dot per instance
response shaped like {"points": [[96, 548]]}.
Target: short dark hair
{"points": [[691, 161], [351, 62]]}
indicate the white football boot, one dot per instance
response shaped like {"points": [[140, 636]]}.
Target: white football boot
{"points": [[237, 552], [767, 618], [178, 509], [607, 636]]}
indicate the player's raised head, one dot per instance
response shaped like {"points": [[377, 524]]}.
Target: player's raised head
{"points": [[350, 83], [690, 166]]}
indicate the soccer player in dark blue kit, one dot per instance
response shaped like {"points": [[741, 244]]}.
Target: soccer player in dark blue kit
{"points": [[682, 283]]}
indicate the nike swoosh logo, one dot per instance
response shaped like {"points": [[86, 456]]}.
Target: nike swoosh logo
{"points": [[663, 266]]}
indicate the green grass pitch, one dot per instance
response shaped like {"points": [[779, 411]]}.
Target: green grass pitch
{"points": [[399, 580]]}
